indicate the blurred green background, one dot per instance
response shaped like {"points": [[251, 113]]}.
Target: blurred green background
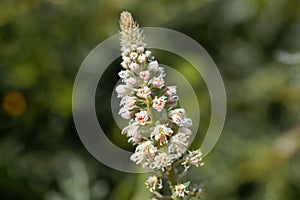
{"points": [[255, 44]]}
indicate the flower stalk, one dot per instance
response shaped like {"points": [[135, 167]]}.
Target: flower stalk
{"points": [[157, 125]]}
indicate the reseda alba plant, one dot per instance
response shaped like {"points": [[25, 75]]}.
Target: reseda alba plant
{"points": [[157, 125]]}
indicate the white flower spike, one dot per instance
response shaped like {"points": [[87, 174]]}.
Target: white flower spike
{"points": [[157, 125]]}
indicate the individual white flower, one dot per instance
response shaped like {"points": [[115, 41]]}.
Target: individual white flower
{"points": [[133, 66], [133, 55], [173, 99], [135, 139], [142, 117], [125, 112], [160, 72], [145, 75], [180, 190], [158, 82], [130, 81], [159, 103], [162, 160], [124, 74], [123, 90], [132, 130], [138, 158], [128, 101], [153, 182], [177, 115], [193, 158], [144, 153], [160, 133], [126, 59], [147, 53], [124, 64], [186, 122], [185, 131], [142, 58], [125, 53], [170, 90], [140, 49], [178, 144], [146, 147], [133, 47], [153, 65], [143, 92], [172, 102]]}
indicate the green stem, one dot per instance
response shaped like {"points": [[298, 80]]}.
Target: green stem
{"points": [[148, 103], [172, 180]]}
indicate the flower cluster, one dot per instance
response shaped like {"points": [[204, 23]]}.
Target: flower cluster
{"points": [[157, 125]]}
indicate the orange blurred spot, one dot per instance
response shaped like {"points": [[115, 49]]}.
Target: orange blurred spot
{"points": [[14, 103]]}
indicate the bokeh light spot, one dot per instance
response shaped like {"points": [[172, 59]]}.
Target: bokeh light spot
{"points": [[14, 103]]}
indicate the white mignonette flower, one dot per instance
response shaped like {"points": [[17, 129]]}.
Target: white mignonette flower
{"points": [[133, 47], [153, 65], [160, 134], [170, 90], [131, 130], [177, 116], [128, 101], [123, 54], [139, 158], [180, 190], [144, 153], [140, 49], [142, 58], [193, 158], [158, 82], [147, 53], [126, 51], [143, 92], [133, 55], [135, 139], [133, 66], [145, 75], [184, 130], [125, 113], [123, 90], [126, 59], [124, 65], [173, 100], [160, 72], [178, 144], [159, 103], [186, 122], [146, 147], [142, 117], [130, 81], [162, 160], [153, 182], [124, 74]]}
